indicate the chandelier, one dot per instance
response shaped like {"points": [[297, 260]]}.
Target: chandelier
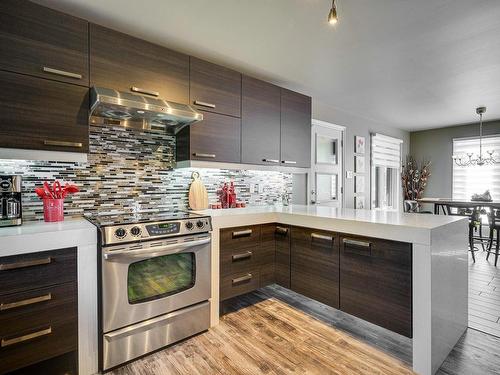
{"points": [[471, 159]]}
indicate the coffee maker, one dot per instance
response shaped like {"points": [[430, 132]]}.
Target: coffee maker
{"points": [[10, 201]]}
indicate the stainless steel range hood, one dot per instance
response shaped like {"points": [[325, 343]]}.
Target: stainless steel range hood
{"points": [[139, 110]]}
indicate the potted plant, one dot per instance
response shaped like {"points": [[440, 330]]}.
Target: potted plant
{"points": [[414, 178]]}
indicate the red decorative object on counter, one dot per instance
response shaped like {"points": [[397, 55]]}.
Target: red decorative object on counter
{"points": [[53, 199], [227, 196]]}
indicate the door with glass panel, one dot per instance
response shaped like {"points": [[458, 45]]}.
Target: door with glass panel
{"points": [[326, 180]]}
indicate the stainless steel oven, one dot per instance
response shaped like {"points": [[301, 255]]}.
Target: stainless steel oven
{"points": [[155, 287]]}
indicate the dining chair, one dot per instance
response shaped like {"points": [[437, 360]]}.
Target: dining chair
{"points": [[474, 215], [411, 206], [494, 237]]}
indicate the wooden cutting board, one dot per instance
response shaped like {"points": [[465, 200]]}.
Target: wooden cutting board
{"points": [[198, 196]]}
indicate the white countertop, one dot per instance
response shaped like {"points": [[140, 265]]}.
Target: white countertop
{"points": [[40, 236], [407, 227]]}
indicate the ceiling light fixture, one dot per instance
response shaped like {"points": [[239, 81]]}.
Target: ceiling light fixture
{"points": [[332, 16], [471, 159]]}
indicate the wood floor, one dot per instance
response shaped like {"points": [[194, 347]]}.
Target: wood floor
{"points": [[264, 335], [277, 331], [484, 294]]}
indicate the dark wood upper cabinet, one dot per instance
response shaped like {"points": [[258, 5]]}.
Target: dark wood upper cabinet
{"points": [[216, 138], [43, 42], [122, 62], [260, 122], [315, 265], [215, 88], [295, 129], [42, 115], [376, 282]]}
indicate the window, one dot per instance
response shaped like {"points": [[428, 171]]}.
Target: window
{"points": [[476, 179], [385, 172]]}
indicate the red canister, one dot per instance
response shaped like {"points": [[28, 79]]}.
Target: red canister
{"points": [[53, 209]]}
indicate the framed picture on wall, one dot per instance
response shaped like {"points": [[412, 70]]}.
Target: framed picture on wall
{"points": [[359, 144], [359, 184], [359, 202], [359, 163]]}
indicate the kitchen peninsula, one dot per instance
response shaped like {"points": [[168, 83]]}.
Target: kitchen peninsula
{"points": [[437, 272]]}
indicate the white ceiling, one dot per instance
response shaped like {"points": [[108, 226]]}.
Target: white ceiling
{"points": [[412, 64]]}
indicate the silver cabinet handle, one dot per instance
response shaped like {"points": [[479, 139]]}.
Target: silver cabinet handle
{"points": [[144, 91], [270, 161], [24, 264], [242, 233], [63, 73], [204, 104], [16, 340], [242, 279], [289, 162], [356, 242], [245, 255], [202, 155], [25, 302], [321, 237], [357, 247], [48, 142], [281, 230]]}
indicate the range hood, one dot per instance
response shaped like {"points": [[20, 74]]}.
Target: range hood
{"points": [[140, 111]]}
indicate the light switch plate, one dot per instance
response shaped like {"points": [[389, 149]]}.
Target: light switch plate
{"points": [[349, 174]]}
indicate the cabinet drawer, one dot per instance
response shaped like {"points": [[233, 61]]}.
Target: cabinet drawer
{"points": [[42, 42], [43, 115], [239, 283], [37, 344], [37, 270], [239, 237], [376, 282], [39, 307], [215, 88], [238, 260]]}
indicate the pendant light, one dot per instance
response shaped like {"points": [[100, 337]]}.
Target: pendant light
{"points": [[332, 16], [479, 160]]}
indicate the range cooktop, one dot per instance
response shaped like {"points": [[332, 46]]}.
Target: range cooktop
{"points": [[133, 227]]}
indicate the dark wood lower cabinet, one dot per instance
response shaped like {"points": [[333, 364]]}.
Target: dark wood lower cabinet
{"points": [[366, 277], [315, 265], [282, 266], [376, 282], [39, 316]]}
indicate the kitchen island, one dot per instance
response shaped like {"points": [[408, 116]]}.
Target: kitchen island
{"points": [[439, 261]]}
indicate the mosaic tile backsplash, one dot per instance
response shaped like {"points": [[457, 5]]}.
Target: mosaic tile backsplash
{"points": [[132, 171]]}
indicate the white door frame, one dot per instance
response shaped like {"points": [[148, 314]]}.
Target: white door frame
{"points": [[342, 129]]}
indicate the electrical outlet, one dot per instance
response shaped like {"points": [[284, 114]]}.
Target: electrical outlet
{"points": [[349, 174]]}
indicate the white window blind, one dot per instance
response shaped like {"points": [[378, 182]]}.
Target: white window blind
{"points": [[476, 179], [385, 151]]}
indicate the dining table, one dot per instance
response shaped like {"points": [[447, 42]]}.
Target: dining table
{"points": [[441, 203]]}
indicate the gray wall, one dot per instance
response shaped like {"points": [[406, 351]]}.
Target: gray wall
{"points": [[436, 145], [357, 126]]}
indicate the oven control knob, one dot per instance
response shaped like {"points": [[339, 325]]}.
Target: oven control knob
{"points": [[136, 231], [189, 225], [120, 233], [200, 224]]}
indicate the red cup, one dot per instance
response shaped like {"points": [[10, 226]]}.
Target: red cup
{"points": [[53, 209]]}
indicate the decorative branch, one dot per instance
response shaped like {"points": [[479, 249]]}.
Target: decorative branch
{"points": [[414, 178]]}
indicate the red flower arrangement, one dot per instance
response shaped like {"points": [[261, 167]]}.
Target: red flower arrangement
{"points": [[53, 199]]}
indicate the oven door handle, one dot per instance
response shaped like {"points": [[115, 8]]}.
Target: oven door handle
{"points": [[157, 251]]}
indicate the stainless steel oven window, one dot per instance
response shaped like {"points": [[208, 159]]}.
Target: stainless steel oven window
{"points": [[161, 276]]}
